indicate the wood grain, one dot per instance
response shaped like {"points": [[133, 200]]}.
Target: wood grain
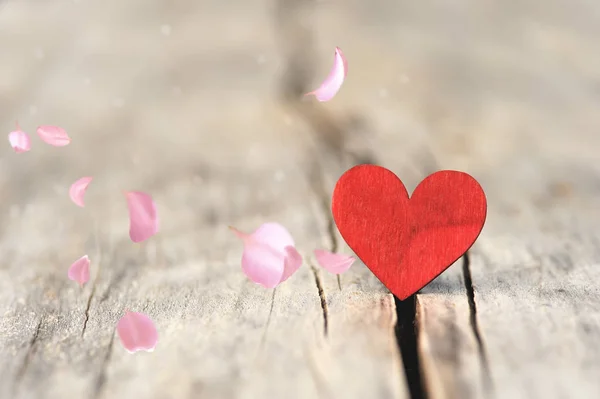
{"points": [[196, 103], [447, 345], [190, 118], [520, 319]]}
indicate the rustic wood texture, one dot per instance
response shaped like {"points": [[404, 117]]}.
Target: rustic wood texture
{"points": [[515, 105], [196, 103], [190, 118]]}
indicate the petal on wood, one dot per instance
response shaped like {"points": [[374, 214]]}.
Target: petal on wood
{"points": [[262, 264], [332, 84], [137, 332], [269, 256], [332, 262], [143, 218], [77, 190], [19, 141], [53, 135], [80, 270]]}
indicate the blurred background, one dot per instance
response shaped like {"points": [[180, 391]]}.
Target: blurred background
{"points": [[200, 103], [469, 80]]}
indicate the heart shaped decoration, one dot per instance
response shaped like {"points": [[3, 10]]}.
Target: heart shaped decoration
{"points": [[408, 242]]}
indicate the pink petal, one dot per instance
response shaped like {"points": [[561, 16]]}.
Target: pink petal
{"points": [[80, 270], [275, 235], [332, 262], [137, 332], [77, 190], [269, 256], [293, 261], [262, 264], [19, 141], [53, 135], [332, 84], [143, 219]]}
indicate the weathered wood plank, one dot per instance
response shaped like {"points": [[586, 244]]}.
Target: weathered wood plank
{"points": [[535, 290], [510, 100], [476, 86], [447, 345], [189, 118]]}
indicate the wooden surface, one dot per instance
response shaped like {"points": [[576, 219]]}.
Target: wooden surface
{"points": [[195, 103]]}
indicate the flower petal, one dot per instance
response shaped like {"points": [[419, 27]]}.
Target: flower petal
{"points": [[262, 264], [53, 135], [269, 256], [143, 219], [292, 262], [77, 190], [275, 235], [137, 332], [19, 141], [332, 84], [332, 262], [80, 270]]}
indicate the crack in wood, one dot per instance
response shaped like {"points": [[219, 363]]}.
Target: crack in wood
{"points": [[330, 133], [323, 298], [87, 308], [294, 23], [28, 356], [487, 379], [407, 337]]}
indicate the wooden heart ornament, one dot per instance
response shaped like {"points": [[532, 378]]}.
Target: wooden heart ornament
{"points": [[408, 242]]}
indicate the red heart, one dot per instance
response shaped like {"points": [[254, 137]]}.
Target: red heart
{"points": [[408, 242]]}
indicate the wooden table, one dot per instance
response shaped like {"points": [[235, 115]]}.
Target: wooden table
{"points": [[198, 104]]}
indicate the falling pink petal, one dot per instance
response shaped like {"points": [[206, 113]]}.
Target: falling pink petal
{"points": [[54, 135], [332, 84], [137, 332], [143, 219], [80, 270], [77, 190], [19, 140], [332, 262], [269, 256]]}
